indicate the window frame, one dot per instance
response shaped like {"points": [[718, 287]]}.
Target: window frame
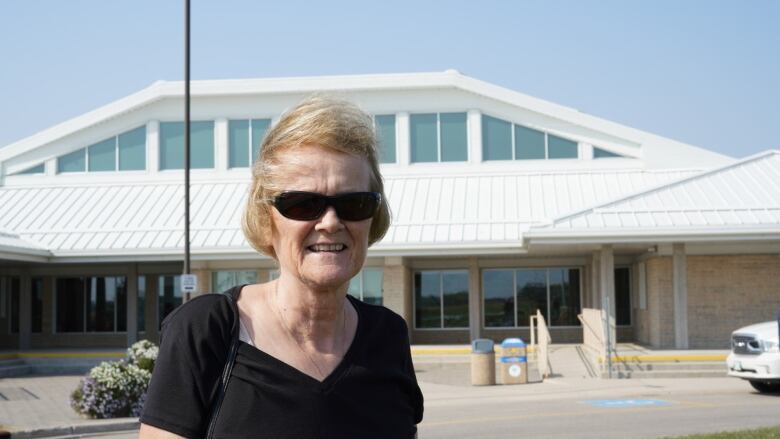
{"points": [[159, 279], [441, 299], [87, 160], [514, 142], [250, 138], [395, 137], [214, 158], [7, 310], [438, 138], [360, 275], [629, 270], [514, 292], [86, 307], [234, 273], [609, 154]]}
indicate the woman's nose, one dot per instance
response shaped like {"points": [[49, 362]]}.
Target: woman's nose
{"points": [[330, 221]]}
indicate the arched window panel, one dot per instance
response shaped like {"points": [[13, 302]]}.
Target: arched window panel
{"points": [[384, 125], [599, 153], [245, 136], [504, 140], [37, 169], [438, 137], [201, 145]]}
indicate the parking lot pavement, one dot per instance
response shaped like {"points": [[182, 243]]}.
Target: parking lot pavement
{"points": [[559, 407], [594, 408]]}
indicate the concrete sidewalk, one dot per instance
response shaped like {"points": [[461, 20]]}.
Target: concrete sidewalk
{"points": [[39, 406]]}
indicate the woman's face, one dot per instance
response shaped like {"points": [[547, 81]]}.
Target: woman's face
{"points": [[320, 170]]}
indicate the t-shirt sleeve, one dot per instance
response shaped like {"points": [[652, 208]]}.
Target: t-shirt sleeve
{"points": [[194, 342], [414, 393]]}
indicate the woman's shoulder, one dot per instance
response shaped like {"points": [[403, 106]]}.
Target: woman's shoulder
{"points": [[380, 317], [210, 313]]}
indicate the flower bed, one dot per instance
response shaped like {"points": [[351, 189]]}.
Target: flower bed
{"points": [[117, 388]]}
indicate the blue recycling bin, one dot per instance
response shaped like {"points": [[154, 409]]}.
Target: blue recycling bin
{"points": [[514, 361]]}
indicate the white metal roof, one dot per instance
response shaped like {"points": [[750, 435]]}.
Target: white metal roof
{"points": [[737, 201], [14, 247], [471, 212]]}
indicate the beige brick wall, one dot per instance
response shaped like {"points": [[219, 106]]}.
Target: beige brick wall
{"points": [[396, 291], [728, 292], [657, 321]]}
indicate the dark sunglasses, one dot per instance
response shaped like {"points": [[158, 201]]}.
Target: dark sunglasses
{"points": [[307, 206]]}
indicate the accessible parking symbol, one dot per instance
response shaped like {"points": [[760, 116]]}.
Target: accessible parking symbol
{"points": [[626, 403]]}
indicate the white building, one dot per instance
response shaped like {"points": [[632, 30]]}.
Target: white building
{"points": [[502, 204]]}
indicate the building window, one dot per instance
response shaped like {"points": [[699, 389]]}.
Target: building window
{"points": [[132, 150], [438, 137], [169, 296], [9, 303], [385, 133], [91, 304], [102, 156], [441, 299], [623, 296], [511, 297], [125, 152], [503, 140], [75, 161], [560, 148], [367, 285], [496, 139], [224, 280], [38, 169], [141, 305], [245, 137], [201, 145], [529, 144], [599, 153], [36, 305]]}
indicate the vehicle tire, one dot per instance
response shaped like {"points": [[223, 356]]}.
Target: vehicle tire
{"points": [[765, 386]]}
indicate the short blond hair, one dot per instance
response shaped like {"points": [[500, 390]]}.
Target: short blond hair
{"points": [[320, 121]]}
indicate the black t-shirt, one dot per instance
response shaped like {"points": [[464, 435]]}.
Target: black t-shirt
{"points": [[372, 393]]}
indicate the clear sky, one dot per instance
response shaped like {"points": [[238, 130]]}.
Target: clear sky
{"points": [[702, 72]]}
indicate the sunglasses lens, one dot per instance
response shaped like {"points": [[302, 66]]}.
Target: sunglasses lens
{"points": [[306, 206], [300, 205], [357, 206]]}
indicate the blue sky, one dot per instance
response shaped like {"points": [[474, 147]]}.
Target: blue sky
{"points": [[702, 72]]}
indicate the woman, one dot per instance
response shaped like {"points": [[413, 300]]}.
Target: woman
{"points": [[312, 361]]}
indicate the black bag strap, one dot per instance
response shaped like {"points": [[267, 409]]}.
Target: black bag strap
{"points": [[231, 296]]}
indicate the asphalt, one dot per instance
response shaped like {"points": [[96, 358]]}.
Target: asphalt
{"points": [[37, 406]]}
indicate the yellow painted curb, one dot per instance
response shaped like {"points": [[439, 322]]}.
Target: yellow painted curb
{"points": [[666, 358]]}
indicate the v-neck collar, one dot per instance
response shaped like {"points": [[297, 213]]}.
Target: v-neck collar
{"points": [[295, 373]]}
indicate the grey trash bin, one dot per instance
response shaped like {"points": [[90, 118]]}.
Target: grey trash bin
{"points": [[483, 362]]}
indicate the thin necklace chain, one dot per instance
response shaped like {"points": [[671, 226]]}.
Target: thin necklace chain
{"points": [[295, 340]]}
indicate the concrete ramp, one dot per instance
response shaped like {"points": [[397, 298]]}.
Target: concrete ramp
{"points": [[569, 361]]}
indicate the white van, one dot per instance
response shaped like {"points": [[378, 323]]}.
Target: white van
{"points": [[755, 357]]}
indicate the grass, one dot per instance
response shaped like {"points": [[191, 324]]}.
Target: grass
{"points": [[761, 433]]}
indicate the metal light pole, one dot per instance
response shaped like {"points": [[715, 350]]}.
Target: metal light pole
{"points": [[186, 136]]}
